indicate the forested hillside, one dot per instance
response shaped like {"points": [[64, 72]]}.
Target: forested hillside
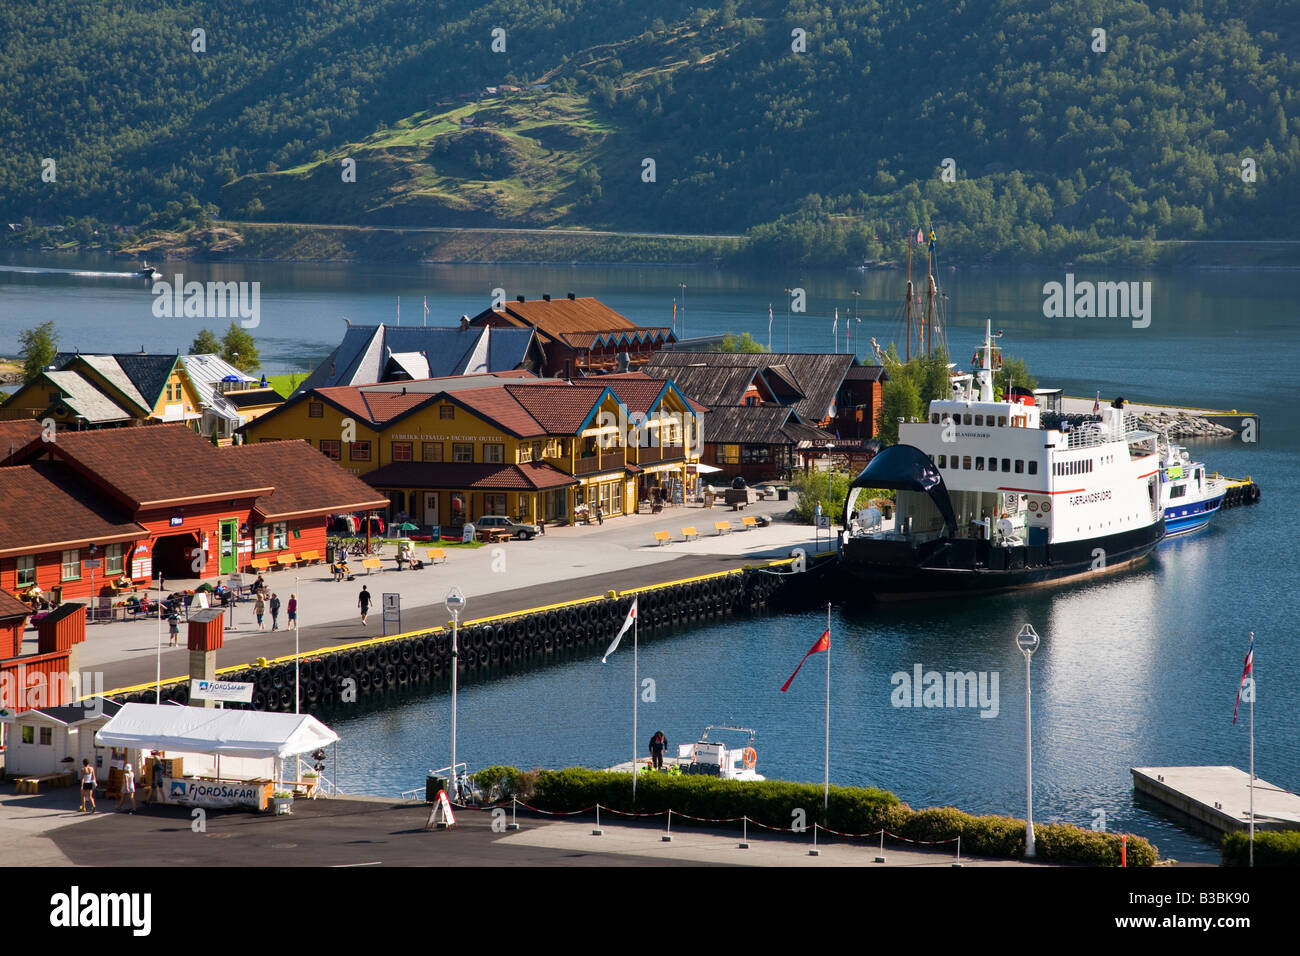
{"points": [[829, 154]]}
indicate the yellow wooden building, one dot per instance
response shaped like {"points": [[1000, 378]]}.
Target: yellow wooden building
{"points": [[83, 391], [447, 451]]}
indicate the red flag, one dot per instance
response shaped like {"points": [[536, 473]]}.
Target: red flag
{"points": [[823, 644]]}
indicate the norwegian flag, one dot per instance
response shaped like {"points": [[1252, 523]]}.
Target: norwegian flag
{"points": [[631, 616], [920, 236], [1250, 664]]}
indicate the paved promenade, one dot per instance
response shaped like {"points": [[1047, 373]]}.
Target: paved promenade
{"points": [[564, 564], [49, 831]]}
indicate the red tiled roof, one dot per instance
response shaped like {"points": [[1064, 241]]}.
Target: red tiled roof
{"points": [[497, 403], [11, 607], [374, 407], [152, 465], [306, 482], [459, 476], [48, 509], [16, 434], [559, 316], [560, 411]]}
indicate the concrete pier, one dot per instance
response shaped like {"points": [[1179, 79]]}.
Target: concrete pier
{"points": [[1219, 797]]}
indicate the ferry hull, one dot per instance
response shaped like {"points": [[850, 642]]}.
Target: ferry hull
{"points": [[899, 571]]}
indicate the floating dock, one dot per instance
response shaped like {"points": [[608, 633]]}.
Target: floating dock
{"points": [[1219, 797]]}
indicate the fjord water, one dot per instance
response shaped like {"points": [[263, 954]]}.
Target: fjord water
{"points": [[1135, 669]]}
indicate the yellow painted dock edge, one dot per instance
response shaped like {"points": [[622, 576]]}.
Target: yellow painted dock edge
{"points": [[371, 642]]}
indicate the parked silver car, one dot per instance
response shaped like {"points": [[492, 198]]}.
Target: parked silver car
{"points": [[502, 523]]}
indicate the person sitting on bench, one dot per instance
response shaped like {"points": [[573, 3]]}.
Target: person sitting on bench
{"points": [[340, 569]]}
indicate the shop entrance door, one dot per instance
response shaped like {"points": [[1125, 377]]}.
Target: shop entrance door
{"points": [[229, 562], [431, 508]]}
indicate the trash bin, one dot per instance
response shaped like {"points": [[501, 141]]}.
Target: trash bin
{"points": [[432, 785], [783, 494]]}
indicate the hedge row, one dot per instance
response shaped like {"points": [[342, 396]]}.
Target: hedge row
{"points": [[1272, 848], [775, 803]]}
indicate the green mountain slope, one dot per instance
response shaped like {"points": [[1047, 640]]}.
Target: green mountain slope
{"points": [[832, 153]]}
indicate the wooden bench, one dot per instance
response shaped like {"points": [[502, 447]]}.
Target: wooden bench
{"points": [[748, 523], [436, 555], [662, 537], [285, 560], [260, 564], [688, 533], [722, 527], [310, 557], [372, 565], [32, 784]]}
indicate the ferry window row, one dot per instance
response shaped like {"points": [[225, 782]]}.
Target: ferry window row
{"points": [[1062, 468], [977, 463], [968, 419]]}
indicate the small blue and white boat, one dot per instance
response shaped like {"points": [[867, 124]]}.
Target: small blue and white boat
{"points": [[1190, 497]]}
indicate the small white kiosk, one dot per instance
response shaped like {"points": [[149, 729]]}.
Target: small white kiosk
{"points": [[215, 758]]}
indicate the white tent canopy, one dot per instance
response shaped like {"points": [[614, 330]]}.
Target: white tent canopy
{"points": [[229, 733]]}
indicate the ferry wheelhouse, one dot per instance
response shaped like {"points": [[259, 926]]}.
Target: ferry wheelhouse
{"points": [[988, 499]]}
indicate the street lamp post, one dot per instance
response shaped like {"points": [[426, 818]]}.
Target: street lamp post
{"points": [[297, 657], [1027, 640], [455, 603]]}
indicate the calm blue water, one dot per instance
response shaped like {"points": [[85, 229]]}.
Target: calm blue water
{"points": [[1136, 670]]}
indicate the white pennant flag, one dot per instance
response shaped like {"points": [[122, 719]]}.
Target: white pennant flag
{"points": [[631, 616]]}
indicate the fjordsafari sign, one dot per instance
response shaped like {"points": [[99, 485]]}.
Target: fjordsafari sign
{"points": [[222, 690]]}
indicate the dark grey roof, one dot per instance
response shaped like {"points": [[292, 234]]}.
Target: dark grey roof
{"points": [[749, 424], [817, 374], [84, 710], [867, 373], [707, 384], [364, 352], [148, 373], [799, 432]]}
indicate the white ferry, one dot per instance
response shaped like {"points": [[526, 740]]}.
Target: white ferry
{"points": [[1190, 497], [988, 499]]}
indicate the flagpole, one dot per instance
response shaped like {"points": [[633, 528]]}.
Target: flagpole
{"points": [[1252, 750], [826, 789], [635, 694]]}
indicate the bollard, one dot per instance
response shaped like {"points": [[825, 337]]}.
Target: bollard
{"points": [[814, 851], [668, 837], [514, 806], [1123, 850], [881, 858], [957, 863], [597, 831], [744, 840]]}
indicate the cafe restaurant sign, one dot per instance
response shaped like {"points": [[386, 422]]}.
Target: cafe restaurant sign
{"points": [[491, 438]]}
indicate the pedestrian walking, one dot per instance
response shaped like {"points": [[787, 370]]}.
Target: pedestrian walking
{"points": [[600, 515], [128, 787], [658, 744], [363, 602], [293, 611], [156, 792], [88, 783], [275, 611], [174, 627], [259, 608]]}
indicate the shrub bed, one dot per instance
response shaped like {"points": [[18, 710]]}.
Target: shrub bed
{"points": [[1272, 848], [851, 810]]}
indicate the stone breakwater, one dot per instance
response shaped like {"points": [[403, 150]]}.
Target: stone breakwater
{"points": [[1182, 426]]}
